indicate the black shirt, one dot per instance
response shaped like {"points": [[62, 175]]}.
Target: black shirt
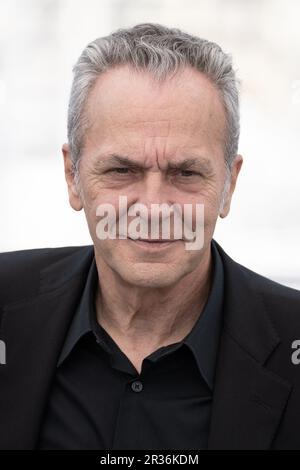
{"points": [[100, 401]]}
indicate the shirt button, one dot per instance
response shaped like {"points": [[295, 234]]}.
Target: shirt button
{"points": [[137, 386]]}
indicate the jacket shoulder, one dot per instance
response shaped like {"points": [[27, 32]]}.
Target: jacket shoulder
{"points": [[281, 302], [270, 287], [20, 270]]}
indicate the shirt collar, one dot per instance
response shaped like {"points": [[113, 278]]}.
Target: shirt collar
{"points": [[202, 340], [81, 323]]}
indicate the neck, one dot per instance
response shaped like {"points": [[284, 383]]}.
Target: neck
{"points": [[144, 318]]}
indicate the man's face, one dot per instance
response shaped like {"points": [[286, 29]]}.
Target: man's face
{"points": [[155, 126]]}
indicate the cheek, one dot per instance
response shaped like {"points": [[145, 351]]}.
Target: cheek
{"points": [[213, 200], [209, 198], [94, 195]]}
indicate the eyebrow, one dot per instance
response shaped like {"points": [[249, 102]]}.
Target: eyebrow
{"points": [[200, 163]]}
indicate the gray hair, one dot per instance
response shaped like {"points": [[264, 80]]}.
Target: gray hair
{"points": [[160, 51]]}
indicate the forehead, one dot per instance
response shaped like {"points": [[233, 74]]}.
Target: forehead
{"points": [[129, 105]]}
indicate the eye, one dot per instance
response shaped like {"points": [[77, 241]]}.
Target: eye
{"points": [[120, 171], [187, 173]]}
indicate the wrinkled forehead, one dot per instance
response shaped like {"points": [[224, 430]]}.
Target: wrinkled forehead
{"points": [[131, 107]]}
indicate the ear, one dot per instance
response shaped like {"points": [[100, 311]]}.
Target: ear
{"points": [[74, 197], [235, 169]]}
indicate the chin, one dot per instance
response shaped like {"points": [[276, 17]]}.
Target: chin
{"points": [[145, 275]]}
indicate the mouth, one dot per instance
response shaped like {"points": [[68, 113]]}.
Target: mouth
{"points": [[154, 243]]}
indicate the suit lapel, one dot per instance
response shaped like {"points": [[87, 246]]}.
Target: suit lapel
{"points": [[34, 332], [249, 399]]}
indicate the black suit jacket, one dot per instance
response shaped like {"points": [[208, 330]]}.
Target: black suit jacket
{"points": [[256, 403]]}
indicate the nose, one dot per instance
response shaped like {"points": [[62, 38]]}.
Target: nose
{"points": [[154, 189]]}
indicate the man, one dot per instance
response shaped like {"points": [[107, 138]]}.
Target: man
{"points": [[137, 342]]}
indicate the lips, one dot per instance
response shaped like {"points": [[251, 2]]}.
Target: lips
{"points": [[153, 241], [153, 246]]}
